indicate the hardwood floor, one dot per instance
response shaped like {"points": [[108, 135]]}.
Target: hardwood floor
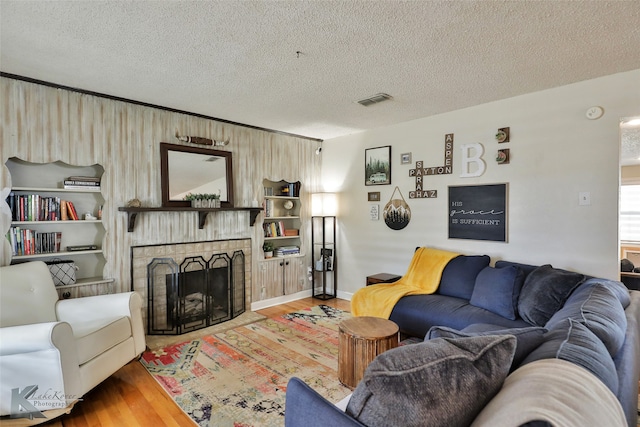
{"points": [[131, 397]]}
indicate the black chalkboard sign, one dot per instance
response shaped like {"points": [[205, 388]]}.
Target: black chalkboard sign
{"points": [[478, 212]]}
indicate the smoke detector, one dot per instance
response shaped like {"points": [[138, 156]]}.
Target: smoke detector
{"points": [[378, 97]]}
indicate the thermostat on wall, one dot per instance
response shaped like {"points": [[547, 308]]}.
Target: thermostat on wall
{"points": [[594, 113]]}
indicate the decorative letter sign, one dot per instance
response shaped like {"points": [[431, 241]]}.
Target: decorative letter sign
{"points": [[420, 171], [478, 212], [467, 159]]}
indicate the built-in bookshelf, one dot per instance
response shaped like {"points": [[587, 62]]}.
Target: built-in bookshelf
{"points": [[284, 273], [281, 224], [55, 217]]}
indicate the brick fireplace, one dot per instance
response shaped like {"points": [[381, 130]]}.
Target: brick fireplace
{"points": [[188, 286]]}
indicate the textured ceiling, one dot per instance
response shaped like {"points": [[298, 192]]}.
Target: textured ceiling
{"points": [[237, 60]]}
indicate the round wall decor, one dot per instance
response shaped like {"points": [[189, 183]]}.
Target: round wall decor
{"points": [[397, 212]]}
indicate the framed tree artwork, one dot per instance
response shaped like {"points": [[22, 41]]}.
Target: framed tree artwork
{"points": [[377, 165]]}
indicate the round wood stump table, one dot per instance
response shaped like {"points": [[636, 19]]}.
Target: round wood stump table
{"points": [[361, 339]]}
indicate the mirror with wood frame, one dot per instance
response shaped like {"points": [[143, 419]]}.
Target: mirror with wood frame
{"points": [[185, 170]]}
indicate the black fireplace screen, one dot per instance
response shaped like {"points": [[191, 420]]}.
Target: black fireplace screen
{"points": [[195, 294]]}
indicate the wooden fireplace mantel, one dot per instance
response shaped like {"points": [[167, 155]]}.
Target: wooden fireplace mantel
{"points": [[132, 213]]}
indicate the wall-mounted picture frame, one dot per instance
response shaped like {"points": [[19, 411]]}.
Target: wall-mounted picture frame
{"points": [[374, 212], [377, 165], [405, 158], [373, 196]]}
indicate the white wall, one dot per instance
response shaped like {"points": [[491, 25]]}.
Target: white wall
{"points": [[555, 154]]}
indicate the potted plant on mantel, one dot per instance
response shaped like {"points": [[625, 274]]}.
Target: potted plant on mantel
{"points": [[206, 200], [267, 248]]}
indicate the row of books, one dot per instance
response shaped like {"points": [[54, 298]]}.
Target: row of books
{"points": [[273, 229], [287, 250], [34, 207], [30, 242], [89, 183], [291, 190]]}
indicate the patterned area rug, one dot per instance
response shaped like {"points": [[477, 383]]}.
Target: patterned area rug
{"points": [[239, 377]]}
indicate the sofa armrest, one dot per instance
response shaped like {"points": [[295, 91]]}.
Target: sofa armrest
{"points": [[129, 304], [42, 355], [306, 408]]}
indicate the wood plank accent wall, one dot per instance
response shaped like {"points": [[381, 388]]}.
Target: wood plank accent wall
{"points": [[43, 124]]}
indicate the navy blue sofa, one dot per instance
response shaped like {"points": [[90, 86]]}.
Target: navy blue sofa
{"points": [[474, 297]]}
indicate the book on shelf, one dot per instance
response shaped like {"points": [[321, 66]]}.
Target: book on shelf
{"points": [[71, 211], [268, 208], [90, 183], [83, 178], [82, 248], [287, 250], [83, 187], [25, 241], [82, 183]]}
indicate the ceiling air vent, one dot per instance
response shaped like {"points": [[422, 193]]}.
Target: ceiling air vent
{"points": [[378, 97]]}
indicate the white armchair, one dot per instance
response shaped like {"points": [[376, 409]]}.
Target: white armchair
{"points": [[54, 351]]}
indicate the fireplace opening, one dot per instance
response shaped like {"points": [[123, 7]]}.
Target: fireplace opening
{"points": [[194, 294]]}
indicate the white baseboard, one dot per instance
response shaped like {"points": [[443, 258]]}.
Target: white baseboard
{"points": [[259, 305], [345, 295]]}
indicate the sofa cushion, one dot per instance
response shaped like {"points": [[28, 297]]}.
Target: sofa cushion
{"points": [[498, 289], [527, 339], [618, 288], [442, 382], [526, 268], [598, 309], [544, 292], [97, 336], [459, 276], [415, 314], [574, 342], [306, 407]]}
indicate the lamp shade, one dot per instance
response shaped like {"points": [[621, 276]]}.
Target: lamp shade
{"points": [[324, 204]]}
